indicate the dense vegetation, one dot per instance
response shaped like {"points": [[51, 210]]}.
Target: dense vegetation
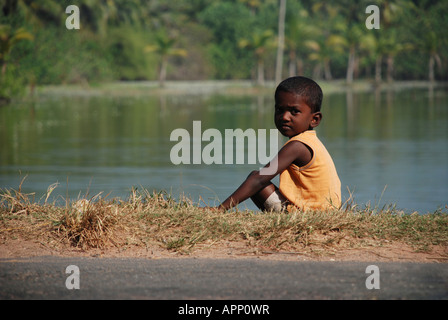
{"points": [[219, 39]]}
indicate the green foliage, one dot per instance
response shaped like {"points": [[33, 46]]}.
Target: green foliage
{"points": [[126, 49], [323, 39], [229, 22], [62, 57], [11, 81], [11, 84]]}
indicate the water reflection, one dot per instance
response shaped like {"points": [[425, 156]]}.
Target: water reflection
{"points": [[389, 147]]}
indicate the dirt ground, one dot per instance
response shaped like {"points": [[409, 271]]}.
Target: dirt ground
{"points": [[388, 252]]}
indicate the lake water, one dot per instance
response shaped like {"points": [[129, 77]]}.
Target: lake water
{"points": [[389, 147]]}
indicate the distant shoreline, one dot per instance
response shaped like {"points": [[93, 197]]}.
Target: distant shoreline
{"points": [[232, 87]]}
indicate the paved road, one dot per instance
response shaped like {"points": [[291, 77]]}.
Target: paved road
{"points": [[249, 279]]}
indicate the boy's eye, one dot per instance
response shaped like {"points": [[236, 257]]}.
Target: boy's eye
{"points": [[294, 111]]}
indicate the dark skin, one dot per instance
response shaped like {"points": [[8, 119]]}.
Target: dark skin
{"points": [[292, 117]]}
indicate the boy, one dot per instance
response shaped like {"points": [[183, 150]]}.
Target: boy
{"points": [[308, 177]]}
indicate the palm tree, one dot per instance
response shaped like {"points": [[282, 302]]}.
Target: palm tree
{"points": [[372, 49], [386, 44], [259, 43], [428, 15], [164, 47], [322, 38], [42, 13], [391, 48], [352, 29], [323, 50], [281, 41], [252, 4], [298, 31], [8, 39]]}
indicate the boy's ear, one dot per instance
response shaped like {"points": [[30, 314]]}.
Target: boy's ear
{"points": [[315, 121]]}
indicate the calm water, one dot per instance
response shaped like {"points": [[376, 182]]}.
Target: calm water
{"points": [[389, 148]]}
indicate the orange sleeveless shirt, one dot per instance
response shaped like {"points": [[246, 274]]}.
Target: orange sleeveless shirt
{"points": [[316, 185]]}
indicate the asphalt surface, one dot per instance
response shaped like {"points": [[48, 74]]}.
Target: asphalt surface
{"points": [[45, 278]]}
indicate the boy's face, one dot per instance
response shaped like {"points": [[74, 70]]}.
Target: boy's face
{"points": [[293, 116]]}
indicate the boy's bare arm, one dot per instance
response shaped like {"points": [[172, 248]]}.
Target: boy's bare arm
{"points": [[294, 152]]}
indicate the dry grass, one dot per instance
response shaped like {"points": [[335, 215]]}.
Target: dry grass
{"points": [[157, 219]]}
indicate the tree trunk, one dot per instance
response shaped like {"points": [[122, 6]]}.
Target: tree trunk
{"points": [[281, 41], [327, 70], [260, 72], [351, 64], [162, 74], [300, 66], [292, 69], [378, 63], [317, 70], [390, 68], [431, 68], [356, 67]]}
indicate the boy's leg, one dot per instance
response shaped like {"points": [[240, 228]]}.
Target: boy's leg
{"points": [[260, 198], [269, 199]]}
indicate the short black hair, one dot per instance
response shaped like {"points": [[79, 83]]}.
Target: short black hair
{"points": [[305, 87]]}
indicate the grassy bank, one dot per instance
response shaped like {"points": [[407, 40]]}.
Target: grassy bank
{"points": [[228, 87], [154, 219]]}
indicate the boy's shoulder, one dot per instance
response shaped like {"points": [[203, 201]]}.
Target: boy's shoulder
{"points": [[309, 135], [300, 147]]}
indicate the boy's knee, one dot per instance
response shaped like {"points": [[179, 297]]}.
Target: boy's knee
{"points": [[275, 202]]}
